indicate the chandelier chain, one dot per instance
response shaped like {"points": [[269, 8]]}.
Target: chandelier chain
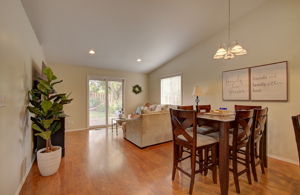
{"points": [[229, 11]]}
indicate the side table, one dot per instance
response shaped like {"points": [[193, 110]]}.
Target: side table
{"points": [[118, 121]]}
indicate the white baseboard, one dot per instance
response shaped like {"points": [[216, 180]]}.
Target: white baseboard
{"points": [[283, 159], [24, 177], [85, 129], [71, 130]]}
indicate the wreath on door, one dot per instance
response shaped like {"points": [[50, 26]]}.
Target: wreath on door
{"points": [[136, 89]]}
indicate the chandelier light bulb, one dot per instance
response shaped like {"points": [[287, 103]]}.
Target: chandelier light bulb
{"points": [[237, 48], [221, 51], [216, 57]]}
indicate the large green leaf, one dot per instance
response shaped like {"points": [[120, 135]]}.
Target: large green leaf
{"points": [[46, 123], [46, 105], [55, 126], [48, 72], [66, 101], [57, 96], [43, 89], [45, 84], [57, 107], [45, 135], [56, 82], [34, 110], [36, 127]]}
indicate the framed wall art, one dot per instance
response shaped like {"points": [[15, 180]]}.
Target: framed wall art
{"points": [[236, 84], [269, 82]]}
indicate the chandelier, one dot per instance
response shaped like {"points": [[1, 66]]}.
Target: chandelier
{"points": [[230, 50]]}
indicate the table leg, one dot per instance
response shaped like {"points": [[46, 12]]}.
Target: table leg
{"points": [[224, 158], [264, 138]]}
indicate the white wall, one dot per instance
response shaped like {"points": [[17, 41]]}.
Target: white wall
{"points": [[75, 81], [271, 33], [20, 54]]}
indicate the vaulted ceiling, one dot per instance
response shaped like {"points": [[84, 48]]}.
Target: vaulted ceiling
{"points": [[121, 31]]}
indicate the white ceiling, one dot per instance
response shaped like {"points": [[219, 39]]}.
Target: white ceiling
{"points": [[120, 31]]}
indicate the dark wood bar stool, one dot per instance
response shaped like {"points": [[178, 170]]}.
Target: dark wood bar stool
{"points": [[201, 130], [189, 107], [264, 136], [204, 108], [296, 123], [184, 129], [258, 128], [204, 129], [239, 143], [245, 107], [201, 108]]}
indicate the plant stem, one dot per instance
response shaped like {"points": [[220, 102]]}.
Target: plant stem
{"points": [[48, 145]]}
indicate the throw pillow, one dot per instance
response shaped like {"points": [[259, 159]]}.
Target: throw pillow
{"points": [[158, 108], [152, 107], [139, 110]]}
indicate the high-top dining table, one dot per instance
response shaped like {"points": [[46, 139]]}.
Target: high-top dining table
{"points": [[223, 122]]}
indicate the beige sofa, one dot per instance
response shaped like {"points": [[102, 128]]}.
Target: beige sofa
{"points": [[149, 129]]}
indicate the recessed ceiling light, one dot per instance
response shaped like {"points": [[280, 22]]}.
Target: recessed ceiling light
{"points": [[92, 52], [138, 60]]}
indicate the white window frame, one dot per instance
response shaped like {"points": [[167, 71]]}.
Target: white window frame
{"points": [[181, 86]]}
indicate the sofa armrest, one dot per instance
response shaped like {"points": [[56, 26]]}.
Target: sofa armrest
{"points": [[156, 128], [134, 130], [149, 129]]}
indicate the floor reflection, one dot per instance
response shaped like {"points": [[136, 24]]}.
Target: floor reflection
{"points": [[104, 153]]}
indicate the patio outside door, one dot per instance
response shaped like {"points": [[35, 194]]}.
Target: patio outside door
{"points": [[105, 99]]}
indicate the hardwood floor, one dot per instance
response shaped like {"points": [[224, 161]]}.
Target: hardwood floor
{"points": [[97, 162]]}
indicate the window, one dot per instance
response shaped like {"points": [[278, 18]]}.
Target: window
{"points": [[170, 90]]}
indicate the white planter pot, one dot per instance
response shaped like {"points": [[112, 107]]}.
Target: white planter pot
{"points": [[48, 163]]}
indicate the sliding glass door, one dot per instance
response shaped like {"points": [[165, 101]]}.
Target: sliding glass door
{"points": [[115, 98], [105, 99], [97, 103]]}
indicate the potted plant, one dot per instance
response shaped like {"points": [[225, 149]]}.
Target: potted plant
{"points": [[47, 106]]}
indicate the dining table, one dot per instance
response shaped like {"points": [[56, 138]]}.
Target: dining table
{"points": [[223, 123]]}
